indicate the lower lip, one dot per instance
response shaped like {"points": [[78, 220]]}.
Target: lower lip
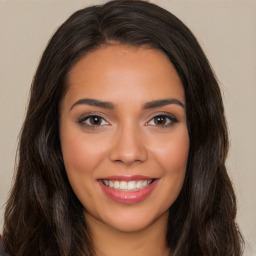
{"points": [[128, 197]]}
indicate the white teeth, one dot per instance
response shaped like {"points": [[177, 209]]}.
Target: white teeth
{"points": [[127, 185], [111, 184], [131, 185], [139, 184], [123, 185], [116, 184], [144, 183]]}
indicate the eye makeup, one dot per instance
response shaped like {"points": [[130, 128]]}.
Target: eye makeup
{"points": [[162, 120], [96, 121]]}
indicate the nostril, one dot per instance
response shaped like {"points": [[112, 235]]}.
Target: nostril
{"points": [[127, 146]]}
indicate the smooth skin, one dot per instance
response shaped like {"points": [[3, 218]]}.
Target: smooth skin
{"points": [[124, 137]]}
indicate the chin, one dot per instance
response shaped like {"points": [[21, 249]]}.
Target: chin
{"points": [[131, 226], [134, 220]]}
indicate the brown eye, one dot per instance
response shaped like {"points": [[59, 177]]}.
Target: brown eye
{"points": [[162, 121], [93, 120]]}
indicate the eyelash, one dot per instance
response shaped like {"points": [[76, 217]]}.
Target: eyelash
{"points": [[83, 120], [172, 120]]}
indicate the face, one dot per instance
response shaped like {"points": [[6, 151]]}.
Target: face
{"points": [[124, 135]]}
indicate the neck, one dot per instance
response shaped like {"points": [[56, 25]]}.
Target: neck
{"points": [[109, 241]]}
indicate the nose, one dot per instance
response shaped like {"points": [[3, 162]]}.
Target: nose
{"points": [[128, 146]]}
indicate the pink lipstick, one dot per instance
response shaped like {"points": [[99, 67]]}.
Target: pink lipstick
{"points": [[128, 189]]}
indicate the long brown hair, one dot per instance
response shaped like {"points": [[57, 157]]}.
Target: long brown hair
{"points": [[43, 215]]}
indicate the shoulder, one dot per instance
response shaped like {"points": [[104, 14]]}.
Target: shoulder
{"points": [[2, 249]]}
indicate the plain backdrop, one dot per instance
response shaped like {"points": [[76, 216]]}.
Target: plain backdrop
{"points": [[226, 29]]}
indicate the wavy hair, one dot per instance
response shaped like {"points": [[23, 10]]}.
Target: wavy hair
{"points": [[43, 216]]}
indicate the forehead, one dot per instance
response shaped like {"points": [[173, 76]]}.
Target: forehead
{"points": [[114, 70]]}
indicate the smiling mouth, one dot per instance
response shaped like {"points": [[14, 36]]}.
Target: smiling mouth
{"points": [[128, 189], [132, 185]]}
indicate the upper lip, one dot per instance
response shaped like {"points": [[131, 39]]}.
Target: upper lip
{"points": [[127, 177]]}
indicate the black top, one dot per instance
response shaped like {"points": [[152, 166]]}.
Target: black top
{"points": [[2, 249]]}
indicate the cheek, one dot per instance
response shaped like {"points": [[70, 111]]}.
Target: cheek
{"points": [[82, 154], [172, 156], [172, 152]]}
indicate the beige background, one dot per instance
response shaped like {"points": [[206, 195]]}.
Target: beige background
{"points": [[226, 30]]}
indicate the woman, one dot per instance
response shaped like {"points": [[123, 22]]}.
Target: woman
{"points": [[124, 144]]}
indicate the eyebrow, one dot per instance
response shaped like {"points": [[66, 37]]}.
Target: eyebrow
{"points": [[109, 105], [93, 102], [161, 103]]}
